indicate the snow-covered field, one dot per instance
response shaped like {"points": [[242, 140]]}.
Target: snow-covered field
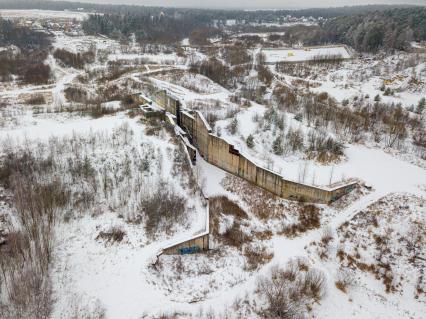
{"points": [[305, 54], [82, 44], [169, 59], [363, 78], [371, 234], [43, 14]]}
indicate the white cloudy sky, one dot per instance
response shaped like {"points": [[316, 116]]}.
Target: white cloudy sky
{"points": [[250, 4]]}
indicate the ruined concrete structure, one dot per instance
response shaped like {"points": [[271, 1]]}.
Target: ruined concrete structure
{"points": [[220, 153], [168, 102], [190, 246]]}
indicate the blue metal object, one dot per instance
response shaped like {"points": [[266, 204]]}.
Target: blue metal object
{"points": [[189, 250]]}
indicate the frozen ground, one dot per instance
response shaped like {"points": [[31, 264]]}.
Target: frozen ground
{"points": [[365, 77], [43, 14], [168, 59], [306, 54], [82, 44], [89, 274], [342, 84]]}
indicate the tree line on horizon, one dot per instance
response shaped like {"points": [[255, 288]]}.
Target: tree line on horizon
{"points": [[366, 28]]}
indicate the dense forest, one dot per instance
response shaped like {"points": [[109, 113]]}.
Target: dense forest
{"points": [[23, 38], [27, 61], [207, 14], [366, 28], [390, 29], [367, 32], [146, 27]]}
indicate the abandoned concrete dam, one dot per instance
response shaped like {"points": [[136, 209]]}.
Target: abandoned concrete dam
{"points": [[220, 153], [198, 137]]}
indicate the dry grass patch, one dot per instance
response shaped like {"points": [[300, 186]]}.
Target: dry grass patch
{"points": [[285, 217], [113, 235], [376, 235], [262, 203], [256, 256], [223, 205], [162, 208], [250, 244], [36, 99], [309, 218], [341, 286]]}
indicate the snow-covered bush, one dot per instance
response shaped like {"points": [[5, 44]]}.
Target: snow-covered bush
{"points": [[290, 291]]}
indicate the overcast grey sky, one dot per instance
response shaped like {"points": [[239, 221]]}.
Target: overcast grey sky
{"points": [[251, 4]]}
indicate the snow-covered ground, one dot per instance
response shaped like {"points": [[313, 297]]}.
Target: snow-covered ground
{"points": [[43, 14], [305, 54], [342, 84], [149, 58], [91, 275], [82, 44]]}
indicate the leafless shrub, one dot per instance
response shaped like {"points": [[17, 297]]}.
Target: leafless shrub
{"points": [[163, 207], [97, 111], [309, 218], [37, 99], [327, 235], [76, 94], [82, 309], [264, 235], [179, 266], [76, 60], [113, 235], [222, 204], [256, 256], [174, 315], [314, 284], [28, 294], [26, 258], [341, 285], [344, 280], [388, 281], [233, 236], [279, 305], [289, 292]]}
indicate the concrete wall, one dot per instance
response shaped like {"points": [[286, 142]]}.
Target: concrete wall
{"points": [[190, 246], [297, 191], [170, 104], [188, 123], [220, 153], [269, 181], [247, 169], [342, 191], [201, 134]]}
